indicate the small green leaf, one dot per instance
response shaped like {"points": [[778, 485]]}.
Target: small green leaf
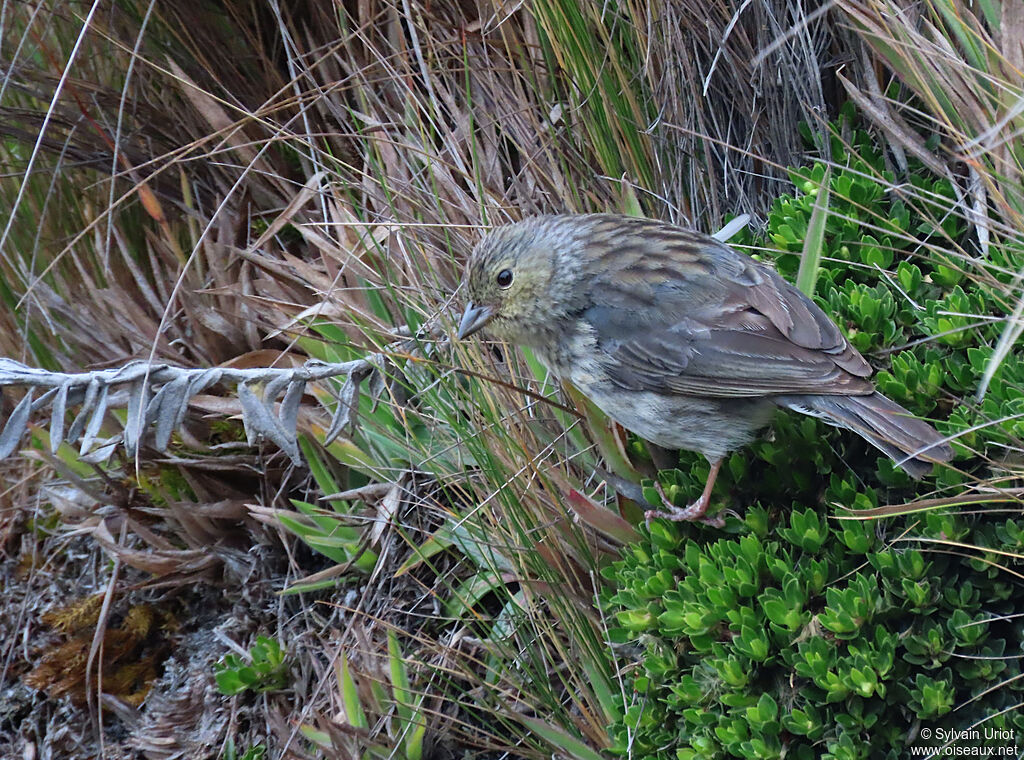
{"points": [[814, 242]]}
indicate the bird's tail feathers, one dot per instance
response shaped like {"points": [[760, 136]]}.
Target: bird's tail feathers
{"points": [[912, 443]]}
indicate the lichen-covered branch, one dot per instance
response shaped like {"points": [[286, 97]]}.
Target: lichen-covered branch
{"points": [[157, 396]]}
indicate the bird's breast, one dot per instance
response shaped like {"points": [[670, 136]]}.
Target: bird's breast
{"points": [[711, 426], [575, 356]]}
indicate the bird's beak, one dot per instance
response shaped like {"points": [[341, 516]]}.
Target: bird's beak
{"points": [[474, 318]]}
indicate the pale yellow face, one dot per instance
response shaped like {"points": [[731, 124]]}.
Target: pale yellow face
{"points": [[508, 286]]}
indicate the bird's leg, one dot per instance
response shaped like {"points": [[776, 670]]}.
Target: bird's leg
{"points": [[693, 512]]}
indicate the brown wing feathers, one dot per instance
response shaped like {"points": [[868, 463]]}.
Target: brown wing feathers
{"points": [[722, 325]]}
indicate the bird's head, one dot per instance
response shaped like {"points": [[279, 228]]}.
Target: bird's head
{"points": [[520, 280]]}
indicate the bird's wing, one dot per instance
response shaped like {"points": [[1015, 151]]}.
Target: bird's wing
{"points": [[717, 324]]}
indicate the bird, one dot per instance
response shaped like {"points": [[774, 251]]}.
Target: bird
{"points": [[679, 338]]}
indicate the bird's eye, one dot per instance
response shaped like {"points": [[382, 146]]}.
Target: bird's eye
{"points": [[504, 278]]}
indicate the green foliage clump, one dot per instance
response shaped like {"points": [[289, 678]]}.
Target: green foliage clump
{"points": [[810, 640], [231, 752], [266, 669], [803, 636]]}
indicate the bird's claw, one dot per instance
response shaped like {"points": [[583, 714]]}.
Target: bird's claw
{"points": [[684, 515], [694, 512]]}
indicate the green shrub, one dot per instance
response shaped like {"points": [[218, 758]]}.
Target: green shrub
{"points": [[266, 669], [799, 635], [810, 640]]}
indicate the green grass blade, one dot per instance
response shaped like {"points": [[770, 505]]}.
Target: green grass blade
{"points": [[814, 243]]}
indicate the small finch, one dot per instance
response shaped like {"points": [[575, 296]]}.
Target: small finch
{"points": [[679, 338]]}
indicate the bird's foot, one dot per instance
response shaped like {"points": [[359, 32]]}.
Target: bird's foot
{"points": [[694, 512], [686, 514]]}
